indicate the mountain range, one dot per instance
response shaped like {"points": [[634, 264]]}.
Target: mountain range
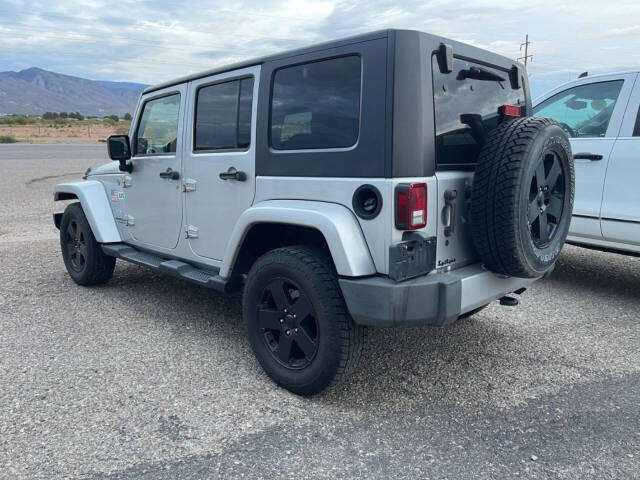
{"points": [[35, 91]]}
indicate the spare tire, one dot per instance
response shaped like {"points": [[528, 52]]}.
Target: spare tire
{"points": [[522, 197]]}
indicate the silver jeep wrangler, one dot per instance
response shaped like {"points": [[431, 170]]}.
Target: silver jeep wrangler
{"points": [[390, 179]]}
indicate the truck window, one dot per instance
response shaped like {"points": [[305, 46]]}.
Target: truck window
{"points": [[316, 105], [223, 115], [466, 109], [157, 131], [636, 127], [583, 111]]}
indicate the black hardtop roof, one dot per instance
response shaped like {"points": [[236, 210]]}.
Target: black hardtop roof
{"points": [[486, 55], [276, 56]]}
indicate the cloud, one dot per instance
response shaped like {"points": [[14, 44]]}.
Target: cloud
{"points": [[153, 41], [623, 32]]}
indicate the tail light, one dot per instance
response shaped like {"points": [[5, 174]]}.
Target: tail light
{"points": [[511, 110], [411, 206]]}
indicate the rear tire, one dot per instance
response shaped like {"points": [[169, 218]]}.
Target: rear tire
{"points": [[85, 261], [297, 322], [522, 197]]}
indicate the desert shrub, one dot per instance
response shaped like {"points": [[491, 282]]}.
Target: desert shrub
{"points": [[8, 139], [16, 120]]}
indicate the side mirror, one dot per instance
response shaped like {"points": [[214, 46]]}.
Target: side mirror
{"points": [[119, 149]]}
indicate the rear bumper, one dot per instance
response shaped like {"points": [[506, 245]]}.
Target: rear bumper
{"points": [[437, 299]]}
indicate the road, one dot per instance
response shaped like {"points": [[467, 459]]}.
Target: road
{"points": [[152, 377]]}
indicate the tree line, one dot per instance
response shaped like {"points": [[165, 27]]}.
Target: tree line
{"points": [[57, 117]]}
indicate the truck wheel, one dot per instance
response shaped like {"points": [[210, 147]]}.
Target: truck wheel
{"points": [[83, 257], [522, 197], [297, 322]]}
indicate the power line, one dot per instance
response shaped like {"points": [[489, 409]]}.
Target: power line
{"points": [[526, 51]]}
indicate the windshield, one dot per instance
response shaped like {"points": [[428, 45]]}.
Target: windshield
{"points": [[466, 103]]}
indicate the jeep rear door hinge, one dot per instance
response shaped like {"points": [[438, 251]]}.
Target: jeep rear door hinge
{"points": [[189, 185], [191, 231]]}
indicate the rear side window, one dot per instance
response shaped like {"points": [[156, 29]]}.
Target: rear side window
{"points": [[583, 111], [223, 115], [466, 103], [157, 131], [316, 105]]}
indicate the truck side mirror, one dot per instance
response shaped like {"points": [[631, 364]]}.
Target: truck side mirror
{"points": [[119, 149]]}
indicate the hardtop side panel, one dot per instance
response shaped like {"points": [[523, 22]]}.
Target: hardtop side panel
{"points": [[367, 157], [413, 143]]}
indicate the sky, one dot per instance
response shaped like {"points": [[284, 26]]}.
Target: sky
{"points": [[152, 41]]}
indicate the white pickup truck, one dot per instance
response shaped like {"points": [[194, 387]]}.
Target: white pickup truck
{"points": [[601, 115]]}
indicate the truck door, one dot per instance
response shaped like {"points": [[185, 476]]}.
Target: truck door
{"points": [[590, 111], [153, 196], [219, 169], [621, 198]]}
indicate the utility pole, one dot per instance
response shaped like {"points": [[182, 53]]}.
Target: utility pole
{"points": [[526, 57]]}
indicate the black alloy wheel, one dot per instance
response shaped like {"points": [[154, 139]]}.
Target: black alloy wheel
{"points": [[76, 245], [288, 323], [546, 199]]}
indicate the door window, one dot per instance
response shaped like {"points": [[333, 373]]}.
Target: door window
{"points": [[636, 127], [583, 111], [316, 105], [157, 131], [223, 115]]}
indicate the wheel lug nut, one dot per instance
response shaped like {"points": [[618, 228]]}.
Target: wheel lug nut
{"points": [[294, 315], [285, 310], [295, 330], [282, 320], [288, 332]]}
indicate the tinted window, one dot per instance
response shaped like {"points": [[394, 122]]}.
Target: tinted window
{"points": [[316, 105], [157, 131], [583, 111], [636, 128], [244, 112], [223, 115], [466, 108]]}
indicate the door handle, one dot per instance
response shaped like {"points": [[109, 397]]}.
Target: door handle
{"points": [[170, 174], [449, 212], [587, 156], [233, 174]]}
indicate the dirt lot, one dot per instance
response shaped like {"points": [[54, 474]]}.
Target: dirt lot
{"points": [[151, 377], [49, 133]]}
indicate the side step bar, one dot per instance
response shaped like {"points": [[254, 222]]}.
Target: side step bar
{"points": [[175, 268]]}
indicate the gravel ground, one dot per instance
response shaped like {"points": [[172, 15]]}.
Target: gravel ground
{"points": [[151, 377]]}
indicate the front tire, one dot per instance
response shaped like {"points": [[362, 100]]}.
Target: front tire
{"points": [[85, 261], [297, 322]]}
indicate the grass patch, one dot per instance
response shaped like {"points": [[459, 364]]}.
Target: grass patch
{"points": [[8, 139]]}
